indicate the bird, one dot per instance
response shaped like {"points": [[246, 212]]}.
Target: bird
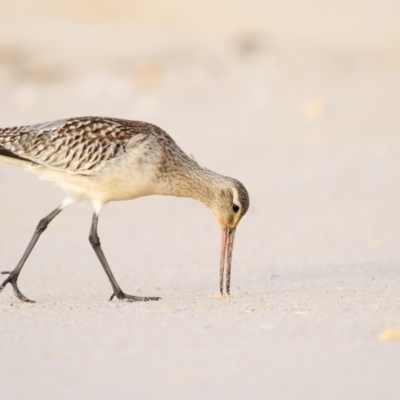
{"points": [[99, 160]]}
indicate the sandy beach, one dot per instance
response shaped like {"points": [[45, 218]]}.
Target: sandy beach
{"points": [[301, 103]]}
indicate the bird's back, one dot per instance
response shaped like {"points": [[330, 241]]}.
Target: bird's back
{"points": [[77, 145]]}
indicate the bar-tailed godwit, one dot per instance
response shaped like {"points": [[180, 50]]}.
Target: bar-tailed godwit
{"points": [[104, 159]]}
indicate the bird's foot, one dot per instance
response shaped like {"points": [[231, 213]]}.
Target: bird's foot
{"points": [[12, 279], [130, 298]]}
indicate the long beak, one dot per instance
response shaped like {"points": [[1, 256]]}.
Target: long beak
{"points": [[227, 238]]}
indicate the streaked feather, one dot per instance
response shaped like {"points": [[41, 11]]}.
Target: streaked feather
{"points": [[76, 145]]}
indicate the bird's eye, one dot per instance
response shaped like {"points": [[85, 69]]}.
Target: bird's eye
{"points": [[235, 208]]}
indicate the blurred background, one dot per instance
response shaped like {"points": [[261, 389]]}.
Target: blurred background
{"points": [[300, 100]]}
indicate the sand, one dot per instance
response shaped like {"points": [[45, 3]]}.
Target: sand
{"points": [[301, 103]]}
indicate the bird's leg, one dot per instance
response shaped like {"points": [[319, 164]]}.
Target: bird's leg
{"points": [[95, 242], [13, 275]]}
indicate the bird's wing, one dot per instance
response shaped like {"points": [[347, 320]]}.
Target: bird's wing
{"points": [[75, 145]]}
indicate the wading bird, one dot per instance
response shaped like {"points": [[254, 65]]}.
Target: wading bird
{"points": [[105, 159]]}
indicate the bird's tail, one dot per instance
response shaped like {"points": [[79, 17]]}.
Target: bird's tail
{"points": [[8, 153]]}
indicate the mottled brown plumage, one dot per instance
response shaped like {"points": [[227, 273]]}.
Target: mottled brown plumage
{"points": [[106, 159], [77, 145]]}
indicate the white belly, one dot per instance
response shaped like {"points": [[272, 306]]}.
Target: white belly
{"points": [[117, 181]]}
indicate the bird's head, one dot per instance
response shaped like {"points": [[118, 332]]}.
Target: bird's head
{"points": [[230, 204]]}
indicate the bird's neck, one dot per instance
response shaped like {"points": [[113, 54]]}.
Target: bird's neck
{"points": [[193, 182]]}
